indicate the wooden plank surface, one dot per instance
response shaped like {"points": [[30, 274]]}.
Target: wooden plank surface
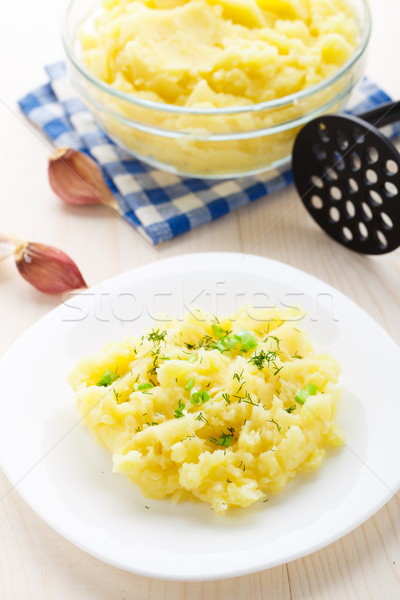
{"points": [[37, 563]]}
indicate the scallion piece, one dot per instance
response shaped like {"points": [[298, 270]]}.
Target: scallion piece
{"points": [[302, 395], [231, 343], [144, 386], [311, 389], [221, 346], [225, 440], [189, 384], [218, 331], [192, 359], [247, 340], [197, 397], [108, 378]]}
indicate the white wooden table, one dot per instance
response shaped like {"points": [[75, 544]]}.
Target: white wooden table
{"points": [[35, 562]]}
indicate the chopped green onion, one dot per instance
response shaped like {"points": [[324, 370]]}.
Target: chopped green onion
{"points": [[192, 359], [301, 396], [218, 331], [225, 440], [108, 378], [247, 340], [221, 346], [231, 343], [144, 386], [197, 397], [311, 389], [189, 384]]}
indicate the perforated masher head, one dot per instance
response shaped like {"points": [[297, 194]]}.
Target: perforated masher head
{"points": [[347, 174]]}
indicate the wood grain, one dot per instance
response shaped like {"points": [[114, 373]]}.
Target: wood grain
{"points": [[37, 563]]}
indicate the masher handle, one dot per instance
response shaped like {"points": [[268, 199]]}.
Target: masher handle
{"points": [[384, 114]]}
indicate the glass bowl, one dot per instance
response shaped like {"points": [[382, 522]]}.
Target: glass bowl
{"points": [[216, 142]]}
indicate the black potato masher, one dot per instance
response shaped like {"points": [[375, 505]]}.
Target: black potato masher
{"points": [[347, 174]]}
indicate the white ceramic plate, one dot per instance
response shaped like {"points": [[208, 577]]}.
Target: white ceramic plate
{"points": [[66, 477]]}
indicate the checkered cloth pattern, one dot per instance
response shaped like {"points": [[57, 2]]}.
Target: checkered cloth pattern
{"points": [[161, 205]]}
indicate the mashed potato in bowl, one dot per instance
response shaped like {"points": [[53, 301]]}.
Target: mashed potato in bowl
{"points": [[221, 56], [218, 53], [220, 411]]}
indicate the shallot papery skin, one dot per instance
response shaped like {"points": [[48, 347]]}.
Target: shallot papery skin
{"points": [[48, 269], [77, 179]]}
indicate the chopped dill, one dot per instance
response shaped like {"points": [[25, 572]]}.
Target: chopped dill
{"points": [[226, 397], [240, 387], [157, 336], [189, 346], [275, 423], [247, 399], [237, 376], [260, 358], [273, 337], [201, 417], [179, 411]]}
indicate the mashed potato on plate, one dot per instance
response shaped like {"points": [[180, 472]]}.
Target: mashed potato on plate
{"points": [[225, 411]]}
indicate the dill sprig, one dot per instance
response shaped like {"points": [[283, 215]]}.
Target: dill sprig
{"points": [[226, 397], [201, 417], [157, 336], [179, 411], [275, 423]]}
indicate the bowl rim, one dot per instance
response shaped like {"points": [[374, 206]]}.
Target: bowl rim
{"points": [[232, 110]]}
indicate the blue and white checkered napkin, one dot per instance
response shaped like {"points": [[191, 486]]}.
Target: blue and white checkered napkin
{"points": [[159, 204]]}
